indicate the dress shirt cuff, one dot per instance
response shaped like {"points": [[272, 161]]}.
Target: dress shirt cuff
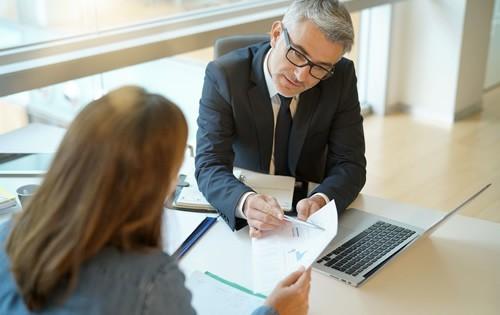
{"points": [[239, 208], [327, 200]]}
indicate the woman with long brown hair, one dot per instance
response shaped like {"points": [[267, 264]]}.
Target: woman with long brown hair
{"points": [[89, 241]]}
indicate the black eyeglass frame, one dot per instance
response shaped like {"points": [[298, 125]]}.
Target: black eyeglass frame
{"points": [[289, 47]]}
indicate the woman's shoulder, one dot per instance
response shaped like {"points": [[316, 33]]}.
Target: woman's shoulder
{"points": [[5, 228]]}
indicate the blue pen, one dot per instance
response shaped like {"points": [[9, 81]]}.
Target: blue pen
{"points": [[193, 237]]}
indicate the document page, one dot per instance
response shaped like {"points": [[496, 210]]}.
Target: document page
{"points": [[283, 251], [214, 297]]}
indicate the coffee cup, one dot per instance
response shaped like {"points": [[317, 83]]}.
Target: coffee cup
{"points": [[24, 193]]}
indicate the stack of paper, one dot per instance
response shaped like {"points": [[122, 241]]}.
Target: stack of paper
{"points": [[7, 201], [190, 197]]}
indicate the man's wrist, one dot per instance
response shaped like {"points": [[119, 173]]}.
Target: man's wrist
{"points": [[240, 208]]}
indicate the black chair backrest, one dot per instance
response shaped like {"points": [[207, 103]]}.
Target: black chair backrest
{"points": [[224, 45]]}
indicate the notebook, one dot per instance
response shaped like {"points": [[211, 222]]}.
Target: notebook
{"points": [[189, 197], [7, 201]]}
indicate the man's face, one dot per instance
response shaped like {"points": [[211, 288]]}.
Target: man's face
{"points": [[307, 38]]}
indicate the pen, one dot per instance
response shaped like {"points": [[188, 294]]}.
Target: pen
{"points": [[194, 236], [303, 223]]}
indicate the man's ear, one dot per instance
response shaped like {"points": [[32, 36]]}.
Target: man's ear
{"points": [[275, 33]]}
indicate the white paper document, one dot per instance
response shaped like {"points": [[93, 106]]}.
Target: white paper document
{"points": [[214, 297], [7, 200], [283, 251]]}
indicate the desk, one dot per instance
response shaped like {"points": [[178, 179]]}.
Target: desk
{"points": [[34, 138], [456, 271]]}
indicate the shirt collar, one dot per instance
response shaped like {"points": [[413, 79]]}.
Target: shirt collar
{"points": [[271, 88]]}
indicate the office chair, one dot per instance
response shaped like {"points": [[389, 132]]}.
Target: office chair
{"points": [[224, 45]]}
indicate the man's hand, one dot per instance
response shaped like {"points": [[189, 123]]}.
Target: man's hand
{"points": [[307, 206], [263, 214]]}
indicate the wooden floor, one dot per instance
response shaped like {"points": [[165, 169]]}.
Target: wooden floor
{"points": [[423, 164]]}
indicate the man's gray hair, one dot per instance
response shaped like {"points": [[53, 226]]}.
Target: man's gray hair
{"points": [[331, 17]]}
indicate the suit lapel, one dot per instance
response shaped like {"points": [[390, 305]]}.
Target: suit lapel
{"points": [[308, 102], [260, 102]]}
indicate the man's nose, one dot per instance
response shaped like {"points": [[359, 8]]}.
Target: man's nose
{"points": [[301, 73]]}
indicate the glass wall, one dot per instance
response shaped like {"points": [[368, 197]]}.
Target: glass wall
{"points": [[24, 22], [179, 78]]}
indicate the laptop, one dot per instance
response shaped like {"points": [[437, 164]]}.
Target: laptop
{"points": [[365, 242]]}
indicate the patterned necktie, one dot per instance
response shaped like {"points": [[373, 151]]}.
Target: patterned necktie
{"points": [[281, 137]]}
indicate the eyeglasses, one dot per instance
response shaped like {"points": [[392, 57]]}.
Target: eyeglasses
{"points": [[300, 60]]}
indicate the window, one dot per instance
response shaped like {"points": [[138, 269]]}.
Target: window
{"points": [[24, 22], [180, 78], [49, 82]]}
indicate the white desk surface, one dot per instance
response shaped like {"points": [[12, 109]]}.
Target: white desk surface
{"points": [[456, 271], [34, 138]]}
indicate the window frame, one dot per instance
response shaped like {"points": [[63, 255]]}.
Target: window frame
{"points": [[34, 66]]}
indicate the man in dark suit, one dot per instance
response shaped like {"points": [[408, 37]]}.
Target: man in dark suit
{"points": [[286, 107]]}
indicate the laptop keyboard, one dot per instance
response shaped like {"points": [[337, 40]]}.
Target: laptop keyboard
{"points": [[360, 252]]}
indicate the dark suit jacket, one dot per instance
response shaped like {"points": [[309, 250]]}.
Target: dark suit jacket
{"points": [[235, 128]]}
